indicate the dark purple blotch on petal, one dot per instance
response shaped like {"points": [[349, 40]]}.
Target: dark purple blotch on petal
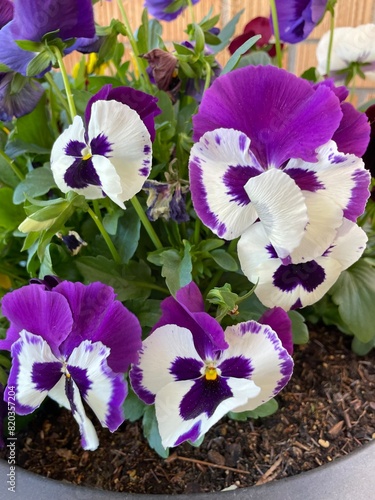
{"points": [[204, 397], [49, 281], [100, 145], [309, 275], [191, 435], [46, 375], [306, 180], [81, 174], [236, 367], [79, 375], [186, 368], [136, 378], [235, 179]]}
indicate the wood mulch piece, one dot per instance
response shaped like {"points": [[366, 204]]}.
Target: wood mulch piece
{"points": [[326, 411]]}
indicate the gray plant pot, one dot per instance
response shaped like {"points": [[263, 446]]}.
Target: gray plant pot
{"points": [[348, 478]]}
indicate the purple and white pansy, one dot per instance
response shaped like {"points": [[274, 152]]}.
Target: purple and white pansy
{"points": [[297, 282], [110, 154], [264, 141], [195, 372], [77, 346]]}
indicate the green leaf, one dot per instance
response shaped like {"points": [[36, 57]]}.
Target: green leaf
{"points": [[127, 235], [134, 408], [224, 260], [10, 215], [227, 32], [299, 328], [151, 432], [354, 293], [235, 58], [264, 410], [258, 58], [40, 63], [37, 182], [362, 348], [210, 244]]}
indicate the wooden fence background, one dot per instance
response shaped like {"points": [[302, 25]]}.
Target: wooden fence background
{"points": [[298, 58]]}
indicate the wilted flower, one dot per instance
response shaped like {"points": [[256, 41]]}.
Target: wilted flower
{"points": [[166, 200], [71, 342], [167, 10], [257, 26], [33, 19], [163, 66], [73, 241], [263, 163], [195, 373], [110, 154], [350, 46], [298, 18], [18, 95]]}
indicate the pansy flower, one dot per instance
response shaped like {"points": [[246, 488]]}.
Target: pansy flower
{"points": [[33, 19], [257, 26], [297, 282], [166, 10], [298, 18], [194, 381], [262, 146], [76, 347], [18, 103], [110, 153], [351, 45]]}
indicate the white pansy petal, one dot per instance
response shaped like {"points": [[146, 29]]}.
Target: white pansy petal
{"points": [[90, 192], [325, 217], [178, 399], [220, 165], [349, 244], [341, 177], [75, 132], [110, 181], [89, 438], [100, 387], [270, 364], [157, 360], [281, 208], [130, 143], [35, 370]]}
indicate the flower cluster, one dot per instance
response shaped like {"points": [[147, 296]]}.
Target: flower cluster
{"points": [[169, 222]]}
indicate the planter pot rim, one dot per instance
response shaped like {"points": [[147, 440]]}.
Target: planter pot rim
{"points": [[345, 478]]}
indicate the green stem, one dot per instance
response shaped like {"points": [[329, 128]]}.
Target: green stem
{"points": [[191, 10], [105, 235], [12, 165], [214, 281], [151, 286], [68, 90], [197, 229], [134, 46], [146, 223], [276, 31], [57, 92], [330, 43], [208, 76]]}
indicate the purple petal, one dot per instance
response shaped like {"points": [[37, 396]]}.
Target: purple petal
{"points": [[35, 18], [158, 9], [6, 12], [298, 18], [186, 368], [282, 114], [18, 103], [207, 333], [37, 311], [353, 133], [144, 104], [11, 54], [81, 174], [98, 316], [280, 323]]}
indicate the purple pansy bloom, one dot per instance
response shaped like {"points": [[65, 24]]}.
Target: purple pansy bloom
{"points": [[297, 18], [264, 152], [298, 282], [33, 19], [193, 381], [18, 103], [165, 10], [111, 153], [71, 342]]}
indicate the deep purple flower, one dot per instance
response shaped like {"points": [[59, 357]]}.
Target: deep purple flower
{"points": [[18, 103], [3, 415], [6, 12], [265, 152], [33, 19], [257, 26], [109, 155], [71, 342], [194, 382], [297, 18], [166, 10]]}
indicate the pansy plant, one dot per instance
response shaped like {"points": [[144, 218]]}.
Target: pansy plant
{"points": [[195, 372], [76, 348]]}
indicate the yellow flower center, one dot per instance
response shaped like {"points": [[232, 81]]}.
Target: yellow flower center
{"points": [[210, 373], [87, 156]]}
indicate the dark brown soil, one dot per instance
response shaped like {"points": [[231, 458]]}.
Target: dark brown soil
{"points": [[326, 411]]}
